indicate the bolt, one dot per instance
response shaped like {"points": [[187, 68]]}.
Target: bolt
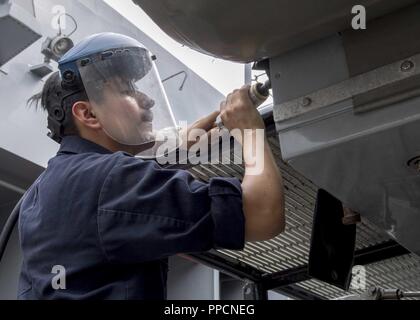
{"points": [[277, 75], [407, 65], [306, 102]]}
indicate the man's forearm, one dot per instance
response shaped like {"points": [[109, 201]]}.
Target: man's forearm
{"points": [[263, 196]]}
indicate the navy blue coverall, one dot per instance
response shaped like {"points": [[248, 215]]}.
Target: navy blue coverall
{"points": [[111, 220]]}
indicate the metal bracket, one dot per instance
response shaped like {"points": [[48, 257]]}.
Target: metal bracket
{"points": [[387, 76]]}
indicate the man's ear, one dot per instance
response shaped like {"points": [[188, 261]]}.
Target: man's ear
{"points": [[84, 114]]}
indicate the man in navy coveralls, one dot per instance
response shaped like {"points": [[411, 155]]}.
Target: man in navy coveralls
{"points": [[111, 219]]}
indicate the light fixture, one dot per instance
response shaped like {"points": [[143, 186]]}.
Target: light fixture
{"points": [[54, 49]]}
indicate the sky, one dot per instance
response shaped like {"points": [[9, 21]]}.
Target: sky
{"points": [[225, 76]]}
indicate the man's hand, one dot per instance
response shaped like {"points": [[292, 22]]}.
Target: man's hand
{"points": [[238, 111]]}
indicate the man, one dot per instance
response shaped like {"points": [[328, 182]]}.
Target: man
{"points": [[110, 220]]}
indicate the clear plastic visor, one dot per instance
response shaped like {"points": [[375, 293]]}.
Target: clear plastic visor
{"points": [[127, 96]]}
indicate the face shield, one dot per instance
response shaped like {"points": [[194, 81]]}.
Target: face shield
{"points": [[127, 97]]}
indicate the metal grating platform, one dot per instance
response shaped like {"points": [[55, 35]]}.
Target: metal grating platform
{"points": [[286, 256]]}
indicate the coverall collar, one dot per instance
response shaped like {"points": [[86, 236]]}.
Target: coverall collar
{"points": [[76, 145]]}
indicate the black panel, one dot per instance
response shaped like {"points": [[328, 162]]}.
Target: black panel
{"points": [[332, 243]]}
